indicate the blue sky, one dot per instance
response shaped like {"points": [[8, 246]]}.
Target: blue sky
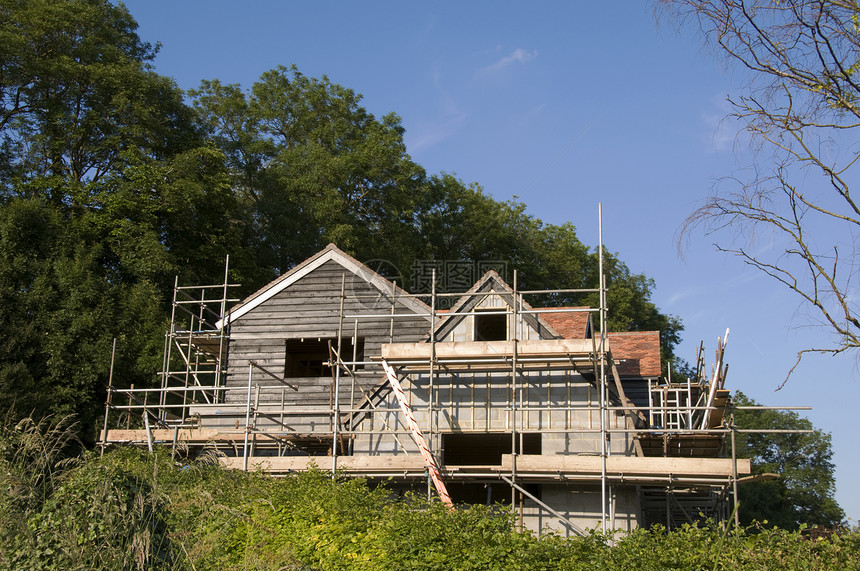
{"points": [[562, 105]]}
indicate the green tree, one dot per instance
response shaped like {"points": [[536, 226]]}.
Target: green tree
{"points": [[313, 166], [804, 491], [107, 190], [460, 222], [60, 311], [79, 98]]}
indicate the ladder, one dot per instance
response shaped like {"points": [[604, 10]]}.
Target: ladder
{"points": [[418, 436], [673, 406]]}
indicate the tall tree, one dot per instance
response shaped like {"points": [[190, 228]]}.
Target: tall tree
{"points": [[460, 222], [106, 191], [802, 113], [804, 491], [314, 165], [60, 312], [78, 96]]}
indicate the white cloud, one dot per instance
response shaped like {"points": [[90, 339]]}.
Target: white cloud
{"points": [[519, 55]]}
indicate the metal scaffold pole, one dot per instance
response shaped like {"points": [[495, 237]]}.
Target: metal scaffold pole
{"points": [[431, 411], [514, 443], [109, 395], [247, 417], [224, 325], [168, 350], [603, 433], [735, 499], [338, 363]]}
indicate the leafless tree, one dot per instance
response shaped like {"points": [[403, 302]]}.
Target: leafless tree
{"points": [[802, 113]]}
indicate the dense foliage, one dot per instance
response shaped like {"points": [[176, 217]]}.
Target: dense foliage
{"points": [[113, 181], [804, 492], [135, 510]]}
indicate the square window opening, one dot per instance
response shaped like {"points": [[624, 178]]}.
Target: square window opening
{"points": [[308, 357], [491, 326]]}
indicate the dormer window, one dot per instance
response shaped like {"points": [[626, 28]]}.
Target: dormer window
{"points": [[491, 325]]}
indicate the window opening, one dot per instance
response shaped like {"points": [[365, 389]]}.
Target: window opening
{"points": [[491, 326], [485, 449], [308, 357]]}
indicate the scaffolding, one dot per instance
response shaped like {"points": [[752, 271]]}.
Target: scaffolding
{"points": [[193, 366], [510, 393]]}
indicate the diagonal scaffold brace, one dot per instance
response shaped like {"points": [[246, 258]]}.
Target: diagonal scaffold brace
{"points": [[418, 436]]}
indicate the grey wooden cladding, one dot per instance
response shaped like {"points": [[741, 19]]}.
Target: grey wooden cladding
{"points": [[637, 391], [310, 309], [313, 391]]}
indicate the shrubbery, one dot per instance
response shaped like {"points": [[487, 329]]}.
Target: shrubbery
{"points": [[135, 510]]}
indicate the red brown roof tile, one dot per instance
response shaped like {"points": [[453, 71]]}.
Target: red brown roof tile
{"points": [[568, 324], [637, 351]]}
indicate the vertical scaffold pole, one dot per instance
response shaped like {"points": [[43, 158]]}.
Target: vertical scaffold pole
{"points": [[247, 417], [735, 474], [109, 395], [603, 433], [514, 442], [338, 363], [431, 410], [224, 325], [146, 424], [168, 351]]}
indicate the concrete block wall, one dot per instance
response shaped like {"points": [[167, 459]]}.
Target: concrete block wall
{"points": [[581, 504], [470, 404]]}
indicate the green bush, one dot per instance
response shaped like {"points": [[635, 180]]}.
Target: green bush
{"points": [[135, 510]]}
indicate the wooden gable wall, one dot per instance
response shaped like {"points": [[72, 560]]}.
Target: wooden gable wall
{"points": [[309, 309]]}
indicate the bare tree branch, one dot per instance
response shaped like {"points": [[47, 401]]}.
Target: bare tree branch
{"points": [[803, 106]]}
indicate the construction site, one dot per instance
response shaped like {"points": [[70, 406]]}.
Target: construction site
{"points": [[540, 410]]}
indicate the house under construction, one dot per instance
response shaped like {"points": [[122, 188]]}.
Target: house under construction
{"points": [[490, 401]]}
